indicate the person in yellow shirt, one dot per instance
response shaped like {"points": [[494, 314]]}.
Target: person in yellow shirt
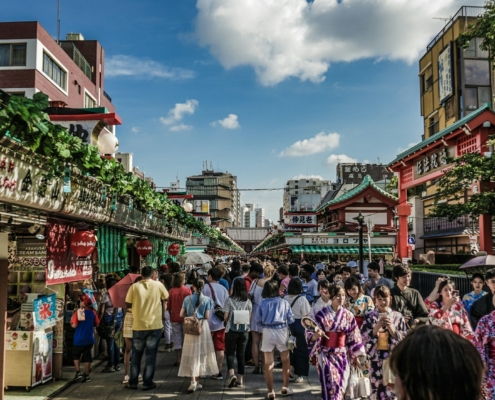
{"points": [[147, 300]]}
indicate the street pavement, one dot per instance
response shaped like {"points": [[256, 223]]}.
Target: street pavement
{"points": [[169, 385]]}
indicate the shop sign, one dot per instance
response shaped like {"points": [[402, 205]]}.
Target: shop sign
{"points": [[84, 130], [30, 255], [202, 206], [62, 265], [23, 182], [332, 240], [445, 76], [432, 162], [45, 312], [302, 219], [17, 340], [90, 204]]}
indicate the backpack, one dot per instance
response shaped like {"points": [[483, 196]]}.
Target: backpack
{"points": [[306, 292], [239, 321]]}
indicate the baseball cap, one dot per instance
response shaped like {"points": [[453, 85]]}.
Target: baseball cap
{"points": [[352, 264], [320, 266], [86, 300]]}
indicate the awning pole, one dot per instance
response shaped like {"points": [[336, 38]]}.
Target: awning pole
{"points": [[4, 272]]}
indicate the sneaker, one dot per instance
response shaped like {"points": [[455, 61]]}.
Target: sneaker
{"points": [[126, 379], [218, 377], [199, 386], [117, 368], [250, 363], [239, 385], [192, 387], [140, 378], [232, 381], [77, 376], [299, 379], [108, 368], [86, 378]]}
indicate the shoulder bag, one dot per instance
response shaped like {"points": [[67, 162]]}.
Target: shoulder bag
{"points": [[291, 343], [217, 309], [192, 325], [240, 318]]}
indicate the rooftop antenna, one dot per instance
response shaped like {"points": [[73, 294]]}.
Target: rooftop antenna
{"points": [[378, 158], [445, 20], [211, 165], [58, 22]]}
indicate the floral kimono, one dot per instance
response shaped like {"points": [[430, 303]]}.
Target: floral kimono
{"points": [[484, 340], [456, 319], [359, 307], [378, 390], [333, 364]]}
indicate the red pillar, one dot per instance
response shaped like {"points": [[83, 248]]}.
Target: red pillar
{"points": [[485, 222], [404, 210]]}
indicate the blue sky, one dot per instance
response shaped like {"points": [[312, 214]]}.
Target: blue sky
{"points": [[244, 83]]}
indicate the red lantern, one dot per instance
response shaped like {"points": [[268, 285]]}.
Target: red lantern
{"points": [[144, 247], [82, 243], [174, 249]]}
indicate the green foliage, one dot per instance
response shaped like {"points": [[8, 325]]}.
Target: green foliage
{"points": [[451, 269], [483, 27], [393, 185], [24, 120]]}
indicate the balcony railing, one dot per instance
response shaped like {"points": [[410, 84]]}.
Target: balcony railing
{"points": [[464, 12], [439, 225], [107, 96]]}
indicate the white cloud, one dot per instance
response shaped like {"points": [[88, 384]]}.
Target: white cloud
{"points": [[302, 176], [321, 142], [180, 127], [135, 129], [177, 113], [409, 145], [335, 159], [230, 122], [290, 38], [143, 68]]}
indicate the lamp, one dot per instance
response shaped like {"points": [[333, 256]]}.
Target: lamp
{"points": [[188, 207], [360, 221], [107, 143]]}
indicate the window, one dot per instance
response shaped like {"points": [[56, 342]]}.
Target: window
{"points": [[477, 72], [474, 51], [89, 102], [427, 80], [54, 71], [449, 109], [475, 98], [434, 126], [13, 55]]}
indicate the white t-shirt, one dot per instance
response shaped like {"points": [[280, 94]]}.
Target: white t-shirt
{"points": [[301, 307], [318, 306], [221, 296]]}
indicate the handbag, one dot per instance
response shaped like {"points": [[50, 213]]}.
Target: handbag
{"points": [[192, 325], [364, 385], [108, 331], [352, 385], [291, 342], [388, 375], [217, 309], [240, 318]]}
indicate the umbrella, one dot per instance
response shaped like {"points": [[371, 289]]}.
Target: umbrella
{"points": [[481, 261], [194, 258], [118, 292]]}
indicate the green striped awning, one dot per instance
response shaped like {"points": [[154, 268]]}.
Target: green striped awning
{"points": [[353, 250]]}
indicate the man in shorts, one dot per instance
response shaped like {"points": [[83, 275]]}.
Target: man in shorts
{"points": [[84, 322]]}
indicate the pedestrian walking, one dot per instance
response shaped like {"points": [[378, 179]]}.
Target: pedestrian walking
{"points": [[484, 340], [299, 358], [177, 294], [356, 301], [477, 281], [382, 330], [342, 345], [111, 317], [274, 315], [198, 353], [84, 320], [323, 300], [127, 333], [146, 298], [237, 309]]}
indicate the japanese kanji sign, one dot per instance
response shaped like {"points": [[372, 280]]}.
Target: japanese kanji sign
{"points": [[302, 219], [45, 314]]}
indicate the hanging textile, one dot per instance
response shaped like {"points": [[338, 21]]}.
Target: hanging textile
{"points": [[109, 243]]}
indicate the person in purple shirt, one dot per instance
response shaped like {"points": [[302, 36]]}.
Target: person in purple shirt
{"points": [[274, 315]]}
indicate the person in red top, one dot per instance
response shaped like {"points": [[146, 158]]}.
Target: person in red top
{"points": [[255, 271], [177, 294]]}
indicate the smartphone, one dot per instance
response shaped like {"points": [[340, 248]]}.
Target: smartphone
{"points": [[382, 315], [455, 293]]}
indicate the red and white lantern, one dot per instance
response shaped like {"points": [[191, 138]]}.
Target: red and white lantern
{"points": [[83, 243], [144, 247], [174, 249]]}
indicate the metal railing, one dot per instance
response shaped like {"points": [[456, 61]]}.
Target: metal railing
{"points": [[437, 224], [464, 12], [107, 96], [78, 58]]}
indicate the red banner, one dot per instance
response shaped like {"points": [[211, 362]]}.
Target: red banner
{"points": [[62, 264]]}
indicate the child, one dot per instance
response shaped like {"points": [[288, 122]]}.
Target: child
{"points": [[84, 321]]}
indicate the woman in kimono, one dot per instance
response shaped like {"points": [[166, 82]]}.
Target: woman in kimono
{"points": [[446, 309], [484, 340], [382, 330], [341, 347], [356, 301]]}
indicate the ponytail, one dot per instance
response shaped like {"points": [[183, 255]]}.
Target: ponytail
{"points": [[199, 284]]}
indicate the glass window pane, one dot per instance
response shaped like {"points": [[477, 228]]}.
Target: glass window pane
{"points": [[484, 95], [19, 54], [481, 53], [470, 51], [470, 100], [477, 72], [4, 55]]}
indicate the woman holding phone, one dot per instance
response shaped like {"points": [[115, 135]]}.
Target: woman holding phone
{"points": [[446, 309], [382, 330]]}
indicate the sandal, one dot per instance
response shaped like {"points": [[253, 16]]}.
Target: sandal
{"points": [[286, 391], [270, 395]]}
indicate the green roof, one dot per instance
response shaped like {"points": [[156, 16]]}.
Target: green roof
{"points": [[367, 182], [441, 134]]}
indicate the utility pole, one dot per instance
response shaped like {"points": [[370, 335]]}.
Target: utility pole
{"points": [[58, 22]]}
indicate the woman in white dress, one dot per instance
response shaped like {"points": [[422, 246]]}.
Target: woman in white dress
{"points": [[198, 354]]}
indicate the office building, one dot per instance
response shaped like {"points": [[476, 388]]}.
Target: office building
{"points": [[304, 194]]}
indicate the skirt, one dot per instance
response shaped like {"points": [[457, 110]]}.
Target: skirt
{"points": [[127, 327], [198, 355]]}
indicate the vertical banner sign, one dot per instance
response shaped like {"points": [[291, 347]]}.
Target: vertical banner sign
{"points": [[58, 329], [445, 81], [91, 295], [62, 264], [45, 313]]}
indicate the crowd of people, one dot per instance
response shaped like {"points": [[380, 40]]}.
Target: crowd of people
{"points": [[256, 312]]}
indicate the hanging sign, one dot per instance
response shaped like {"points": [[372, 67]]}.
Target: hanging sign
{"points": [[174, 249], [45, 313], [302, 219], [87, 203], [144, 247], [432, 162], [83, 243]]}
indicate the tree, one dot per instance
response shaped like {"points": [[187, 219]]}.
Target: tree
{"points": [[484, 28], [467, 171]]}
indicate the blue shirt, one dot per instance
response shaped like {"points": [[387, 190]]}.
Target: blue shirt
{"points": [[274, 313], [84, 334], [469, 299], [189, 305], [224, 283]]}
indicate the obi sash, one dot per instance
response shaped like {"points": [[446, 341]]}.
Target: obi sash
{"points": [[359, 320], [456, 328], [335, 340], [491, 350]]}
